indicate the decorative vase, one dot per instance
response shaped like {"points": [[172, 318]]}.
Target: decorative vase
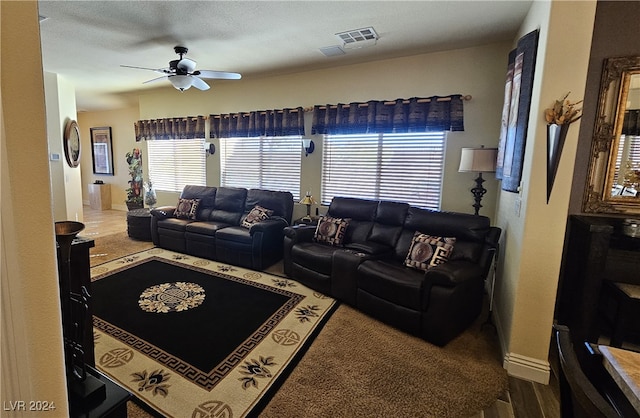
{"points": [[150, 198], [556, 135]]}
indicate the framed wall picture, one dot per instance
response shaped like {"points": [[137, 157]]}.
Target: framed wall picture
{"points": [[513, 134], [102, 150]]}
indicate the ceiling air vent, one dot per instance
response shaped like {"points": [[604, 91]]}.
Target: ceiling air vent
{"points": [[358, 38]]}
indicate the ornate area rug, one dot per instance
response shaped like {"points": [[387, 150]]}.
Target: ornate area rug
{"points": [[194, 337]]}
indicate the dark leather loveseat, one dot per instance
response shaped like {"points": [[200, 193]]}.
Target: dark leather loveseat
{"points": [[215, 228], [368, 269]]}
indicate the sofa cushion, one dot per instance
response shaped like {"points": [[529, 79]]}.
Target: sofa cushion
{"points": [[257, 214], [237, 234], [427, 251], [206, 194], [465, 227], [314, 256], [281, 203], [174, 224], [392, 282], [229, 206], [331, 230], [205, 228], [187, 208], [356, 209], [361, 213]]}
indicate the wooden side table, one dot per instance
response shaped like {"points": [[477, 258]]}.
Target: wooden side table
{"points": [[100, 196], [139, 224]]}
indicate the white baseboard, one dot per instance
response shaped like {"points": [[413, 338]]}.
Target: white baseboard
{"points": [[527, 368], [520, 366]]}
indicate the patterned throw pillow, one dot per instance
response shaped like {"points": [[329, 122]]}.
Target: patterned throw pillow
{"points": [[257, 214], [331, 230], [427, 251], [187, 208]]}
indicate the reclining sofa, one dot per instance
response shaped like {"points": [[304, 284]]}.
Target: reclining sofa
{"points": [[232, 225], [419, 270]]}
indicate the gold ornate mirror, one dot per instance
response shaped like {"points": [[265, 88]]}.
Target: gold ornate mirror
{"points": [[614, 171]]}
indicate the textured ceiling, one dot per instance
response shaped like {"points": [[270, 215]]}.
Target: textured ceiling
{"points": [[85, 42]]}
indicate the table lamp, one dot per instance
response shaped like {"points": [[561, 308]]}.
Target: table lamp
{"points": [[479, 160], [308, 201]]}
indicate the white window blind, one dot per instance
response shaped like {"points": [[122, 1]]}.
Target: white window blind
{"points": [[175, 163], [400, 167], [271, 163]]}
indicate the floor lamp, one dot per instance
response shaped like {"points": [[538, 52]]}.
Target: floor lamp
{"points": [[478, 160]]}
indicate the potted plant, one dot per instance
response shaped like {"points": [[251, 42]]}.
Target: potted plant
{"points": [[134, 192]]}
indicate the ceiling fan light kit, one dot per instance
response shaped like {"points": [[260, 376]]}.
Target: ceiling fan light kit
{"points": [[182, 73], [181, 82]]}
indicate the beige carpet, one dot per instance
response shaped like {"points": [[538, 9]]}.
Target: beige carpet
{"points": [[359, 367]]}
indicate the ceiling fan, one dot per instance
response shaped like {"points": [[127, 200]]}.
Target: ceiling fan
{"points": [[182, 73]]}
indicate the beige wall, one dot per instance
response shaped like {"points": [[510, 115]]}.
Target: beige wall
{"points": [[32, 366], [123, 137], [65, 180], [533, 240], [477, 71]]}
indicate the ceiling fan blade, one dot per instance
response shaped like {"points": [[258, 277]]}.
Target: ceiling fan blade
{"points": [[157, 70], [198, 83], [153, 80], [222, 75], [185, 64]]}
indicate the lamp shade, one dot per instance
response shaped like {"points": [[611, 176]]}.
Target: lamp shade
{"points": [[308, 200], [479, 160]]}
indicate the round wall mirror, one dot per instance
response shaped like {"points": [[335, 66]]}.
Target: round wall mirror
{"points": [[72, 143]]}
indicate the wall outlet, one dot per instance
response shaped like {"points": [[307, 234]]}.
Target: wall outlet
{"points": [[517, 206]]}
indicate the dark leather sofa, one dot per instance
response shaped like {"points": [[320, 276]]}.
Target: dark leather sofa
{"points": [[368, 270], [216, 232]]}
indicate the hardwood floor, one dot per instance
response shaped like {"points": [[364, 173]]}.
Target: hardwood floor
{"points": [[523, 400], [103, 222]]}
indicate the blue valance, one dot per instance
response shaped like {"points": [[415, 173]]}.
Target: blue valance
{"points": [[282, 122], [188, 127], [398, 116]]}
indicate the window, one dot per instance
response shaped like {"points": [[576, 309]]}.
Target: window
{"points": [[174, 163], [271, 163], [400, 167]]}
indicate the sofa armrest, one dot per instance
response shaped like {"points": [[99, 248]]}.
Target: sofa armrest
{"points": [[268, 226], [163, 212], [300, 233], [453, 273]]}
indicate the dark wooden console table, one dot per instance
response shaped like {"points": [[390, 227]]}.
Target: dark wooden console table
{"points": [[597, 255], [81, 277], [114, 405]]}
